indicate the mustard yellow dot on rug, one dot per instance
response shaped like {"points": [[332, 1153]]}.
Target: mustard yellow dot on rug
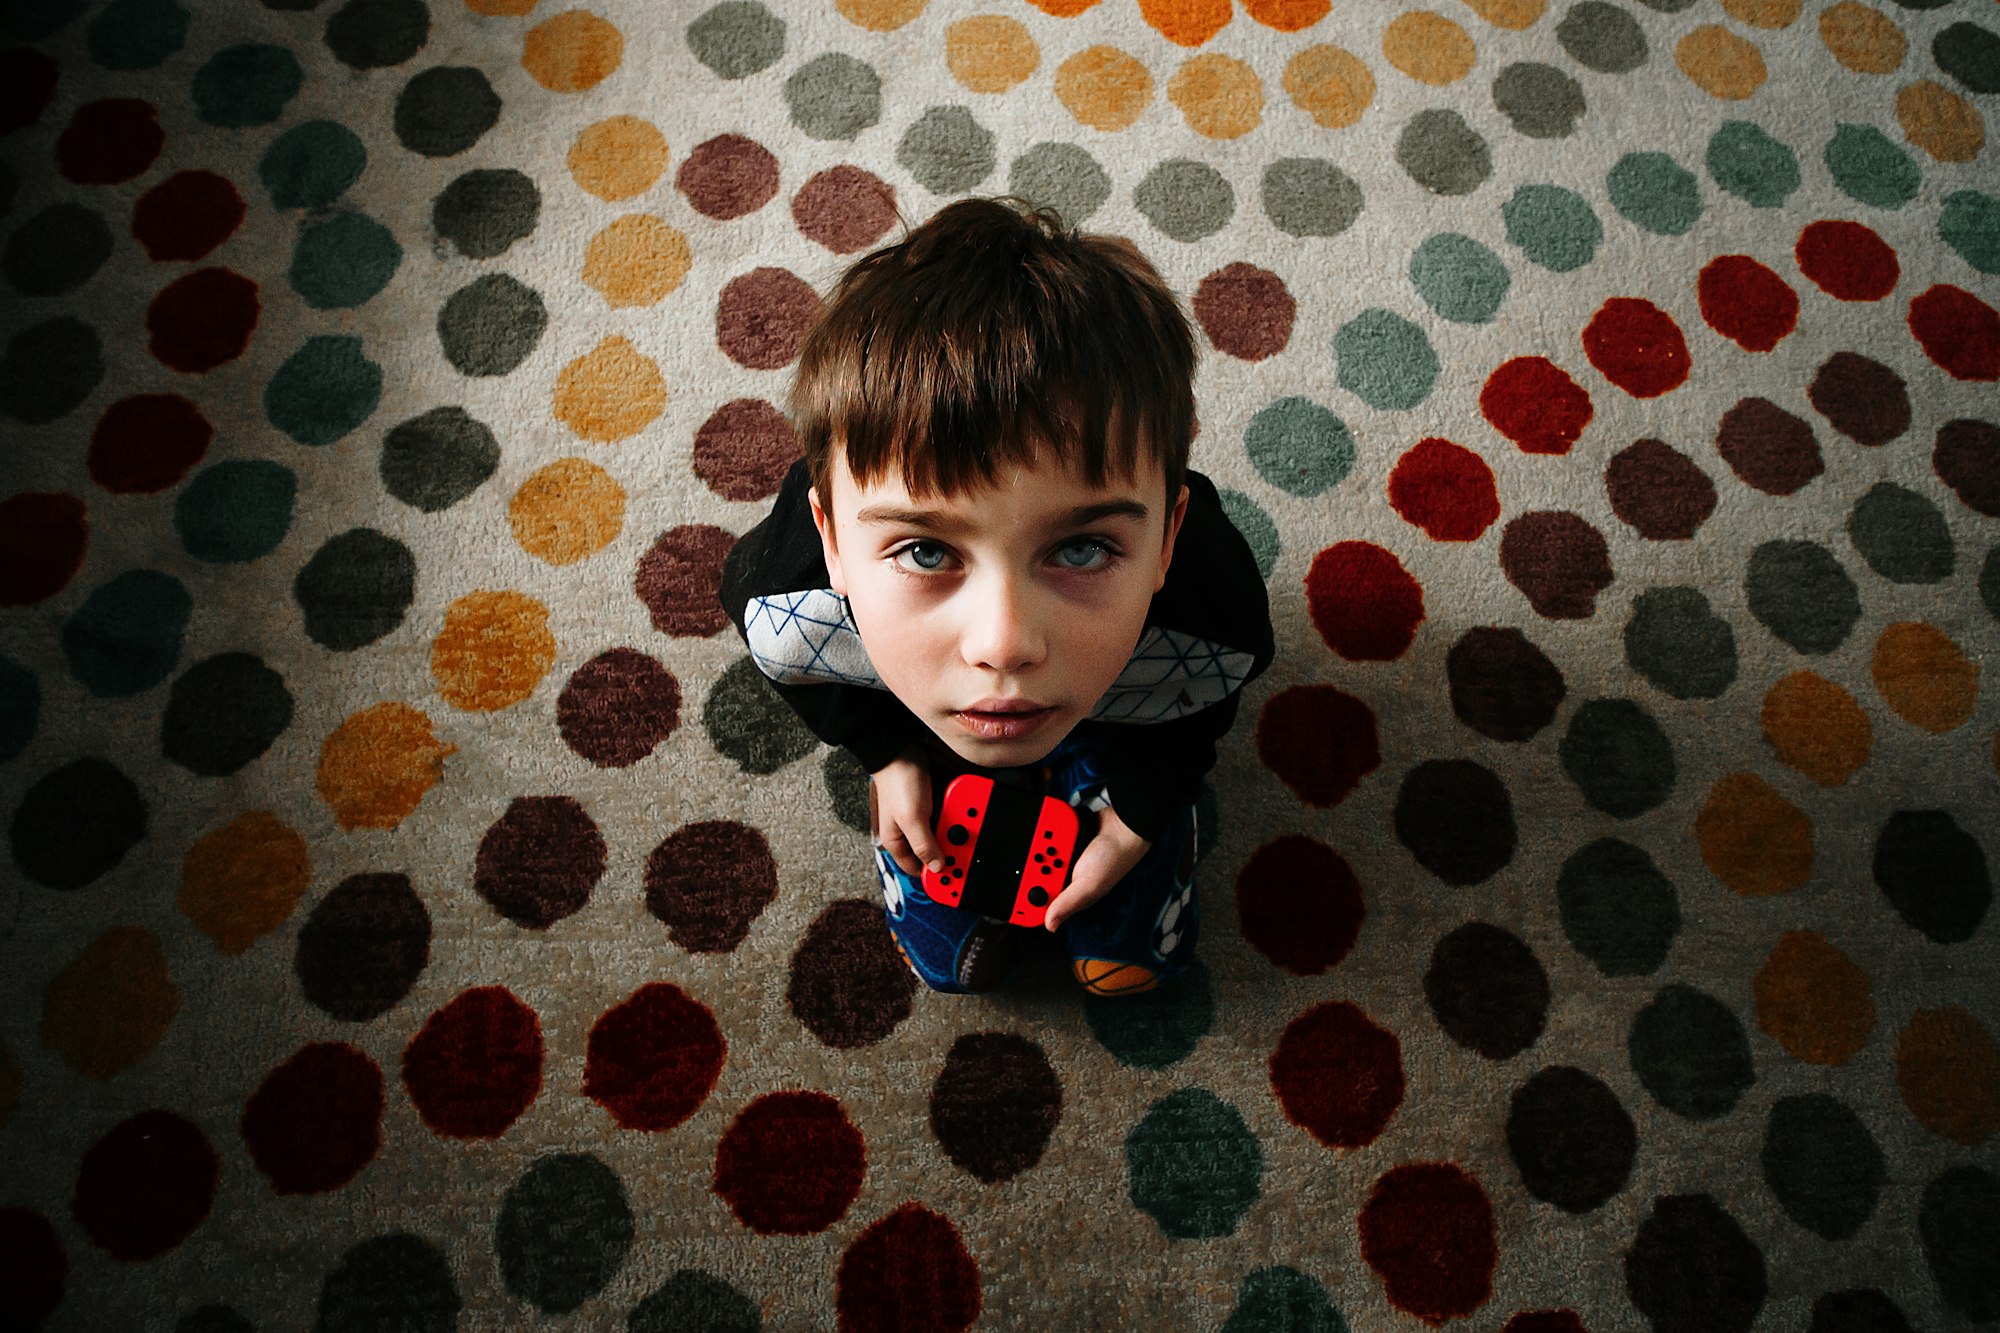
{"points": [[1865, 40], [494, 649], [1764, 13], [618, 158], [1814, 1000], [1720, 63], [1924, 677], [572, 52], [1220, 96], [566, 511], [1940, 122], [1331, 85], [636, 260], [1948, 1068], [611, 392], [1103, 87], [376, 766], [989, 53], [111, 1005], [1753, 839], [501, 9], [240, 882], [1817, 728], [1428, 47], [1513, 15], [879, 15]]}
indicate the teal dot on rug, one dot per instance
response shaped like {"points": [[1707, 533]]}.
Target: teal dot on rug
{"points": [[1690, 1052], [1283, 1300], [1655, 192], [737, 38], [236, 511], [1385, 360], [1309, 196], [136, 34], [1619, 757], [1989, 583], [1539, 100], [20, 707], [1969, 223], [397, 1281], [747, 722], [1799, 592], [1185, 199], [1869, 167], [1602, 37], [1459, 278], [563, 1232], [126, 637], [224, 712], [692, 1301], [947, 150], [1675, 641], [1193, 1165], [1553, 227], [56, 250], [833, 96], [1258, 530], [1299, 446], [343, 261], [1060, 176], [32, 20], [49, 368], [311, 165], [1751, 165], [1158, 1028], [1618, 910], [248, 84], [1822, 1165], [1442, 153], [326, 389], [1901, 535], [1971, 55]]}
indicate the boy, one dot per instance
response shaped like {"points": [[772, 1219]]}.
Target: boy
{"points": [[993, 558]]}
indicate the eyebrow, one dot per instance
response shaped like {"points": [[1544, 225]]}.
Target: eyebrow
{"points": [[932, 520]]}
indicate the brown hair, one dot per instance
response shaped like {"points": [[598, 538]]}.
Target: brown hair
{"points": [[985, 337]]}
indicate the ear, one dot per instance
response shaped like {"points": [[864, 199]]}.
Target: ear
{"points": [[1173, 531], [826, 544]]}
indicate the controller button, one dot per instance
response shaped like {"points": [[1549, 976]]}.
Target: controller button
{"points": [[951, 860], [1039, 897], [1057, 863], [1038, 856], [957, 835], [1048, 833]]}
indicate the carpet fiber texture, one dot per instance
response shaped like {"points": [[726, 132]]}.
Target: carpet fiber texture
{"points": [[418, 912]]}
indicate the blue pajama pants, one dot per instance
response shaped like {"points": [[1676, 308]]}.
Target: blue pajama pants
{"points": [[1133, 939]]}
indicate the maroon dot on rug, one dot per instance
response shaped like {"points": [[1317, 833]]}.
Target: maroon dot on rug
{"points": [[1338, 1074], [790, 1164], [848, 984], [1658, 491], [618, 707], [744, 449], [316, 1120], [1966, 456], [1299, 904], [844, 208], [1862, 399], [1637, 346], [1847, 261], [540, 860], [1545, 1321], [1746, 302], [42, 539], [761, 318], [1558, 561], [707, 882], [1364, 603], [364, 945], [1427, 1228], [652, 1059], [728, 177], [1502, 685], [1445, 489], [187, 215], [147, 443], [1958, 331], [908, 1273], [1768, 447], [109, 141], [476, 1065], [1533, 402], [1320, 740], [203, 320], [146, 1185], [33, 1267], [1245, 311], [995, 1104], [680, 579]]}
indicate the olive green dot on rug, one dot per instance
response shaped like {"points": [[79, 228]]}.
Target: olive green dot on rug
{"points": [[1186, 200], [1060, 176], [563, 1232], [432, 461], [1309, 196], [737, 38], [747, 722], [833, 96]]}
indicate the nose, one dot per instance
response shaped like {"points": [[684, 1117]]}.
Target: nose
{"points": [[1004, 629]]}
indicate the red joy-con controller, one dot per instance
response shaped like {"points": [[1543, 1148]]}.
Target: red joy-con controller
{"points": [[1007, 852]]}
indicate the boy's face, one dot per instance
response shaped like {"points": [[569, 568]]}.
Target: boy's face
{"points": [[1004, 593]]}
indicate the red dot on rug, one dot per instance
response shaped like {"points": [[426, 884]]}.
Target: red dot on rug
{"points": [[42, 536], [1299, 904], [1445, 489], [790, 1164], [27, 86], [1746, 302], [32, 1268], [1958, 331], [1533, 402], [1338, 1074], [1637, 346], [203, 320], [1846, 260], [109, 141], [316, 1120], [908, 1273], [476, 1065], [1428, 1230], [1321, 741], [653, 1058], [1366, 605], [187, 215], [147, 443], [145, 1186]]}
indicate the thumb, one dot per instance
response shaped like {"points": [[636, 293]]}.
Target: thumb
{"points": [[923, 841]]}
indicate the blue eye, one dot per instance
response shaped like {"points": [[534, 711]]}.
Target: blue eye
{"points": [[1089, 544], [923, 546]]}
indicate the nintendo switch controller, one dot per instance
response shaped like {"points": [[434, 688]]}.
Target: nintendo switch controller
{"points": [[1007, 852]]}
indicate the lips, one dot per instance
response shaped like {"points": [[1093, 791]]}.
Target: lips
{"points": [[998, 705], [1005, 722]]}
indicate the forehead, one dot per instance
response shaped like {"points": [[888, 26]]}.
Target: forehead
{"points": [[1044, 490]]}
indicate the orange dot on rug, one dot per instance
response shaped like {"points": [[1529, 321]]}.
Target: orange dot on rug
{"points": [[376, 766], [240, 882]]}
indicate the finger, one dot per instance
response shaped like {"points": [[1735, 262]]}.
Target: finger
{"points": [[898, 848], [923, 842]]}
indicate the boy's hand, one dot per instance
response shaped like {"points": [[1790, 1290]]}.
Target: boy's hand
{"points": [[1108, 858], [899, 809]]}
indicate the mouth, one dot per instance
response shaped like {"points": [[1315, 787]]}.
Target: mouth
{"points": [[999, 725]]}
